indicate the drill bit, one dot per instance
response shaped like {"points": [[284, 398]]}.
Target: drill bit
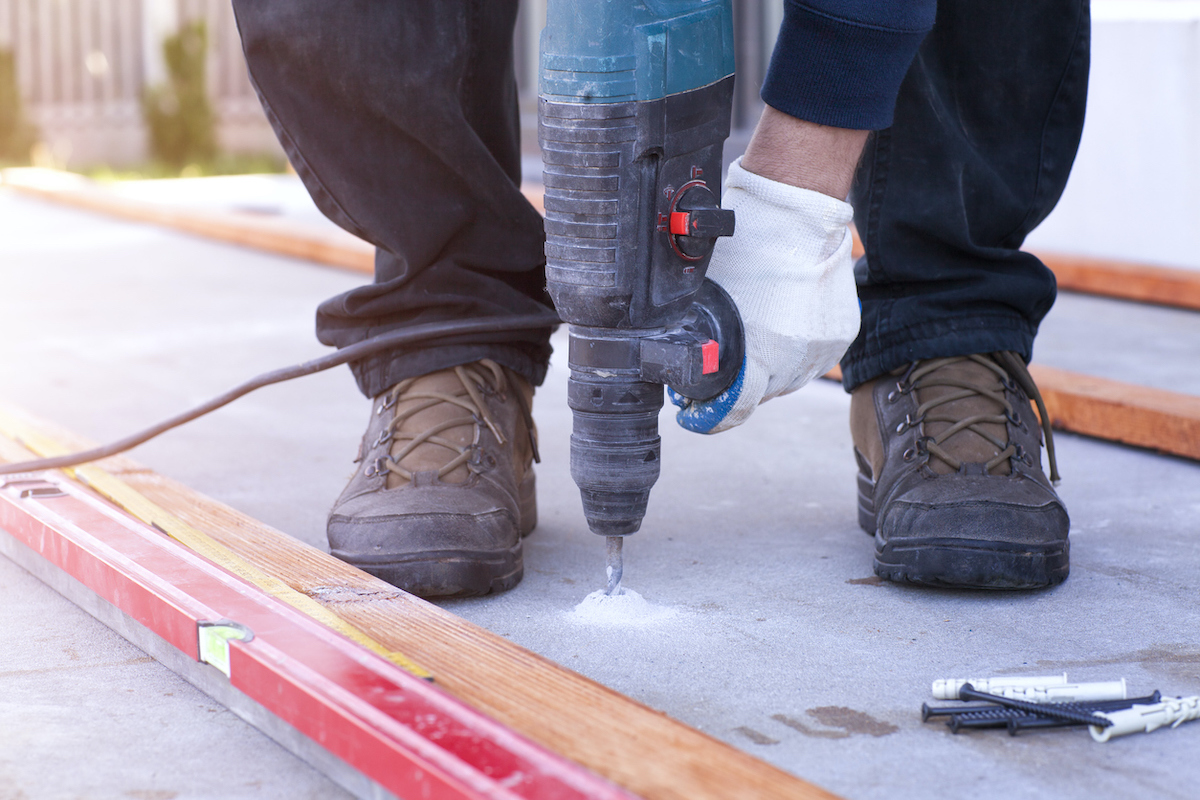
{"points": [[615, 564]]}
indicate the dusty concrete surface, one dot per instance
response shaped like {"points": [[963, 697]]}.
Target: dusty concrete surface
{"points": [[782, 642]]}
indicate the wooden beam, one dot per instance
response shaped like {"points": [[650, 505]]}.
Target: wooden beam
{"points": [[1155, 419], [1121, 412], [1143, 283], [322, 244], [632, 745]]}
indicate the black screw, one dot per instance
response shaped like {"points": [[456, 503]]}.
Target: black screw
{"points": [[967, 692], [1018, 724]]}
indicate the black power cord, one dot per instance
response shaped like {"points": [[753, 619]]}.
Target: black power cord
{"points": [[354, 352]]}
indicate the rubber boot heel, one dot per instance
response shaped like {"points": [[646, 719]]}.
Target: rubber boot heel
{"points": [[866, 495], [527, 503]]}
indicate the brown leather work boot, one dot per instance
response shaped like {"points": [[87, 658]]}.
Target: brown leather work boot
{"points": [[445, 485], [950, 478]]}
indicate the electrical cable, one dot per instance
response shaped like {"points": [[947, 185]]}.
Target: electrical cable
{"points": [[354, 352]]}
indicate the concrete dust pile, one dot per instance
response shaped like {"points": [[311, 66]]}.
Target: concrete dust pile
{"points": [[624, 608]]}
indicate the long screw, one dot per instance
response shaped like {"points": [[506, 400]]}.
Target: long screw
{"points": [[984, 719], [1018, 724], [967, 692], [928, 712], [971, 712]]}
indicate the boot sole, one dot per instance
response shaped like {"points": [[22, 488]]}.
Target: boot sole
{"points": [[447, 574], [958, 563], [964, 564]]}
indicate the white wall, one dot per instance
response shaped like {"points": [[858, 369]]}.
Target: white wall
{"points": [[1134, 193]]}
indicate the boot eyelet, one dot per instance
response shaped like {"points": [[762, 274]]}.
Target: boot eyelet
{"points": [[383, 438], [386, 405], [909, 454], [376, 468]]}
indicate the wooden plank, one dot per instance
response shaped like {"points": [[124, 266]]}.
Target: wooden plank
{"points": [[1155, 419], [324, 244], [631, 744], [1168, 422], [1143, 283]]}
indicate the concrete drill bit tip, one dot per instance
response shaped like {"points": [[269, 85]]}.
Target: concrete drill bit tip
{"points": [[615, 564]]}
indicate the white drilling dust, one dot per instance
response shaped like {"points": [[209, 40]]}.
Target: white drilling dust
{"points": [[626, 608]]}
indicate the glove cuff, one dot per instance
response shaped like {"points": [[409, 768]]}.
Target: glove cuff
{"points": [[814, 220]]}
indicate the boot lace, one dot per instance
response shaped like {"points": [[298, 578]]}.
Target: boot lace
{"points": [[1010, 372], [485, 376]]}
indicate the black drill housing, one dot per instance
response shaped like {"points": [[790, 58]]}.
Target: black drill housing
{"points": [[632, 194]]}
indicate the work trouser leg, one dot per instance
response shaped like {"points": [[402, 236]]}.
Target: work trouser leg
{"points": [[401, 119], [986, 128]]}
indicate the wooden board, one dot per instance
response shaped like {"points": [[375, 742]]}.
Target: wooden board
{"points": [[1168, 422], [1121, 412], [1143, 283], [322, 244], [631, 744]]}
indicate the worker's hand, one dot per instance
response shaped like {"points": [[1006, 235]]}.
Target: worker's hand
{"points": [[788, 269]]}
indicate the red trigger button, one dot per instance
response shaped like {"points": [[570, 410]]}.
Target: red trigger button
{"points": [[679, 223], [711, 351]]}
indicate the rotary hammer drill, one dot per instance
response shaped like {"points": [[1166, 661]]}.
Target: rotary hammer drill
{"points": [[635, 99]]}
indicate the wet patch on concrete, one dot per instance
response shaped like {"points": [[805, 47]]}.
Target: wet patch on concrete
{"points": [[797, 725], [851, 721], [755, 736], [1180, 659]]}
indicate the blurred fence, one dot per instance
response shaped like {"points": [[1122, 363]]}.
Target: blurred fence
{"points": [[83, 65]]}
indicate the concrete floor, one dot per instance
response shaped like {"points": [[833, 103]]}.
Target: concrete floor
{"points": [[781, 641]]}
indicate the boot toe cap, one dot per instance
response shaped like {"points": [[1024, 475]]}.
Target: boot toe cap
{"points": [[467, 546], [986, 532]]}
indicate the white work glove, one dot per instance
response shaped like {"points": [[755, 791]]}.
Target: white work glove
{"points": [[788, 269]]}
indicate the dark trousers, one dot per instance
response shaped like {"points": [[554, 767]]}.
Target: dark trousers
{"points": [[401, 119], [986, 127], [400, 116]]}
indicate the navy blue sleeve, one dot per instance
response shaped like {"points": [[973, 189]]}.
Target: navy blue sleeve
{"points": [[840, 62]]}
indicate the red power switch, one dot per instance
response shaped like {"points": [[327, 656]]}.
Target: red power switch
{"points": [[711, 351], [679, 223]]}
